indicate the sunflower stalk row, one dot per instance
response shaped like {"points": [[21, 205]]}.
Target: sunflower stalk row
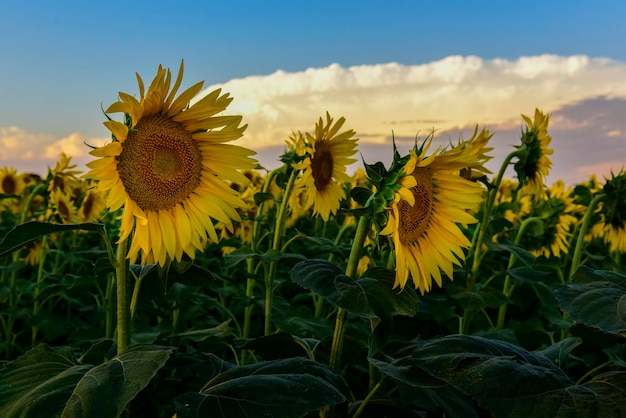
{"points": [[179, 277]]}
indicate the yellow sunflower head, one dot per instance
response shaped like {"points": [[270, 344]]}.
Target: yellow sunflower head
{"points": [[550, 235], [91, 206], [169, 166], [328, 153], [63, 175], [613, 211], [62, 207], [11, 183], [426, 212], [534, 162]]}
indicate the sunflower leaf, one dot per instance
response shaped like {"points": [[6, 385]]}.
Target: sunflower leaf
{"points": [[279, 388], [329, 281], [105, 390], [510, 381], [596, 298], [23, 234]]}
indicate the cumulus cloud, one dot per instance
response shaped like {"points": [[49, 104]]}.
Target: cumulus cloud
{"points": [[453, 92]]}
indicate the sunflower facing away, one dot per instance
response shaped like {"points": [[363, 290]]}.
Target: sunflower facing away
{"points": [[169, 166], [328, 155], [533, 168], [425, 213], [613, 211]]}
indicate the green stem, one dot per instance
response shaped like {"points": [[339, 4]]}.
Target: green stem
{"points": [[278, 232], [582, 232], [579, 245], [36, 301], [507, 289], [369, 397], [363, 228], [123, 308], [475, 251]]}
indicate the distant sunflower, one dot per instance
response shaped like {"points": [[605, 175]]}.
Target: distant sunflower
{"points": [[324, 175], [550, 237], [62, 207], [11, 183], [533, 168], [613, 211], [169, 166], [425, 213], [91, 207]]}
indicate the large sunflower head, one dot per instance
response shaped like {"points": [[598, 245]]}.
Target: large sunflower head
{"points": [[426, 212], [613, 211], [170, 165], [534, 164], [324, 167]]}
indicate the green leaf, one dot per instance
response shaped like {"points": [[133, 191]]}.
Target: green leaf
{"points": [[50, 382], [385, 301], [261, 197], [39, 383], [329, 281], [276, 346], [237, 256], [513, 382], [105, 390], [361, 194], [526, 257], [220, 331], [417, 387], [283, 388], [20, 235], [596, 298], [476, 300]]}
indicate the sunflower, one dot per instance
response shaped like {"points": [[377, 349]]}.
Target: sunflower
{"points": [[534, 164], [11, 183], [324, 167], [64, 175], [92, 205], [426, 212], [613, 211], [550, 235], [170, 166], [62, 207]]}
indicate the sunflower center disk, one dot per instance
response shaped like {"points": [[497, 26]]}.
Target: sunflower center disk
{"points": [[9, 185], [414, 219], [322, 167], [160, 164]]}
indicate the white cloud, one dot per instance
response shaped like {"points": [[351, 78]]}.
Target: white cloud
{"points": [[453, 92]]}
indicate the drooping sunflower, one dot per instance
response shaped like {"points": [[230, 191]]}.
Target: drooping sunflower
{"points": [[426, 212], [170, 166], [613, 212], [324, 167], [534, 166]]}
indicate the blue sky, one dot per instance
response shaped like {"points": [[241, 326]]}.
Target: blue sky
{"points": [[62, 60]]}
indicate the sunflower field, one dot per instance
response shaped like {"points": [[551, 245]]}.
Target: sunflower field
{"points": [[176, 277]]}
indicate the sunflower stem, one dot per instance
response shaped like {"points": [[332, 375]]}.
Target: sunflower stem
{"points": [[365, 223], [507, 288], [369, 397], [477, 244], [578, 249], [123, 308], [251, 267], [278, 232]]}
